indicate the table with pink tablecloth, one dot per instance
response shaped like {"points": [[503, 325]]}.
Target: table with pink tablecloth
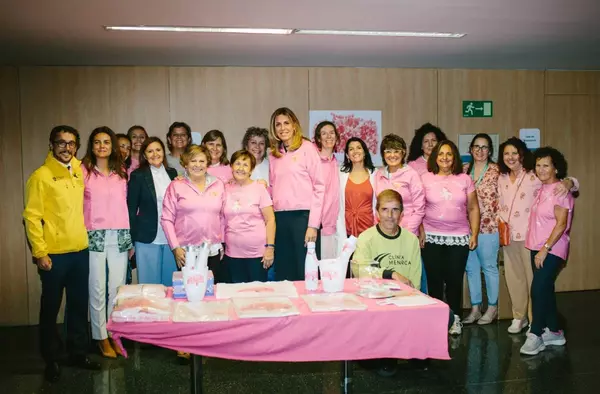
{"points": [[381, 331]]}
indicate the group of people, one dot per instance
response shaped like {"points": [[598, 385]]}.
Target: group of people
{"points": [[423, 222]]}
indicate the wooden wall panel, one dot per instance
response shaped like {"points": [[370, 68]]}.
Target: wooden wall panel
{"points": [[232, 99], [573, 127], [572, 82], [406, 97], [13, 258], [85, 98], [518, 101]]}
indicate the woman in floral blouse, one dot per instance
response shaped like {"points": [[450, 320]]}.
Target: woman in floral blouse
{"points": [[518, 186], [484, 172]]}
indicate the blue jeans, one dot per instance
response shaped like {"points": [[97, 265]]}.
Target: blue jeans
{"points": [[155, 264], [543, 297], [484, 257]]}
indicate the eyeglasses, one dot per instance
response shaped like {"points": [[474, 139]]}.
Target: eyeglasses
{"points": [[483, 148], [393, 151], [179, 136], [63, 144]]}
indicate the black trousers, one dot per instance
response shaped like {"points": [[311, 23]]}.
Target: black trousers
{"points": [[69, 271], [245, 270], [290, 252], [445, 265], [219, 269], [543, 297]]}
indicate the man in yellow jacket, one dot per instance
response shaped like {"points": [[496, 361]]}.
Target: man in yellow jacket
{"points": [[58, 237]]}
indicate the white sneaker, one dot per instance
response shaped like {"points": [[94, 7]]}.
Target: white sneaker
{"points": [[456, 328], [518, 325], [553, 338], [533, 345]]}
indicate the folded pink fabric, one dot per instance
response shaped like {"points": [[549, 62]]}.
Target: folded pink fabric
{"points": [[381, 331]]}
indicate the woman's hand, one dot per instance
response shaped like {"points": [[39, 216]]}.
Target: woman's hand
{"points": [[563, 187], [130, 253], [263, 182], [422, 239], [268, 257], [311, 235], [540, 257], [401, 278], [179, 177], [472, 243], [179, 254]]}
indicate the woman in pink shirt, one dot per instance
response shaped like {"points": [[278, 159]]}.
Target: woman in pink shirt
{"points": [[518, 186], [395, 175], [357, 191], [484, 172], [249, 223], [137, 134], [326, 138], [425, 139], [219, 167], [107, 222], [298, 190], [191, 212], [451, 224], [548, 241]]}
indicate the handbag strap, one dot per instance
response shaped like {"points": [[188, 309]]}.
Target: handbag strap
{"points": [[515, 196]]}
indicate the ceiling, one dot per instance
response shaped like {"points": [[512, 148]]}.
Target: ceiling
{"points": [[515, 34]]}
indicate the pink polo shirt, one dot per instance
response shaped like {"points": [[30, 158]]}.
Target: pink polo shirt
{"points": [[189, 216], [331, 200], [419, 165], [446, 203], [297, 182], [221, 171], [407, 182], [104, 201], [245, 228], [542, 221]]}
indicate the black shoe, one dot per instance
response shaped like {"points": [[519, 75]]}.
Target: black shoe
{"points": [[84, 363], [52, 372], [388, 368]]}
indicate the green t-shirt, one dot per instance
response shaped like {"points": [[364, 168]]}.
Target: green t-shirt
{"points": [[400, 253]]}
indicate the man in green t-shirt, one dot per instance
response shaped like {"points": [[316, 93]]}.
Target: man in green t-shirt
{"points": [[387, 250]]}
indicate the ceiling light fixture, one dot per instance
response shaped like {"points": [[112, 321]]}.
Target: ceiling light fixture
{"points": [[241, 30]]}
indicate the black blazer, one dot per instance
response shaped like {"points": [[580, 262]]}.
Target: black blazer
{"points": [[141, 203]]}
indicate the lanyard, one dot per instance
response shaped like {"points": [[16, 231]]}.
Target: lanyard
{"points": [[480, 175]]}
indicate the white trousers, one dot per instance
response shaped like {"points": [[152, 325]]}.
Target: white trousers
{"points": [[329, 245], [117, 271]]}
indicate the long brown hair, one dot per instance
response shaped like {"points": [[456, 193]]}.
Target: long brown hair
{"points": [[143, 161], [213, 135], [115, 161], [276, 143], [432, 164]]}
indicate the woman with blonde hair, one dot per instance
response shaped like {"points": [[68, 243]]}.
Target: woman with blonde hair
{"points": [[298, 190]]}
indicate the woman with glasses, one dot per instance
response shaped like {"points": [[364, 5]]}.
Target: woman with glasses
{"points": [[137, 134], [178, 138], [484, 172]]}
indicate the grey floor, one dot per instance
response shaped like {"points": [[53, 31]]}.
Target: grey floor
{"points": [[484, 360]]}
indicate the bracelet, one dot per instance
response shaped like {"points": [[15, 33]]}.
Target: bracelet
{"points": [[270, 246]]}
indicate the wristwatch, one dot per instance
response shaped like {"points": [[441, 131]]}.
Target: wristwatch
{"points": [[548, 247]]}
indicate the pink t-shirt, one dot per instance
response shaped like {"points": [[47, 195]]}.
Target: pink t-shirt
{"points": [[446, 204], [221, 171], [419, 165], [407, 182], [542, 221], [331, 200], [135, 164], [245, 228]]}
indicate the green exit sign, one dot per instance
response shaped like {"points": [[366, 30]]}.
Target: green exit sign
{"points": [[477, 109]]}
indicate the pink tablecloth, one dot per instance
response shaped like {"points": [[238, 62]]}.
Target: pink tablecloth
{"points": [[379, 332]]}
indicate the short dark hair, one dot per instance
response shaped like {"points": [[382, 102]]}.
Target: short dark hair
{"points": [[318, 134], [558, 160], [416, 145], [490, 147], [212, 136], [136, 127], [432, 165], [524, 155], [179, 125], [244, 154], [143, 161], [64, 129], [392, 141], [389, 195], [256, 132], [347, 165]]}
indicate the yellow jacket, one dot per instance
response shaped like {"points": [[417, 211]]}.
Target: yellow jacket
{"points": [[54, 209]]}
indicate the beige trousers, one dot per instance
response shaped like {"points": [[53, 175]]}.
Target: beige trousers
{"points": [[517, 266]]}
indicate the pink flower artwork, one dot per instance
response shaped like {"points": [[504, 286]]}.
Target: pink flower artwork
{"points": [[352, 126]]}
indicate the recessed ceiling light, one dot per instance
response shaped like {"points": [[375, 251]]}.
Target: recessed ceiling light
{"points": [[242, 30]]}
